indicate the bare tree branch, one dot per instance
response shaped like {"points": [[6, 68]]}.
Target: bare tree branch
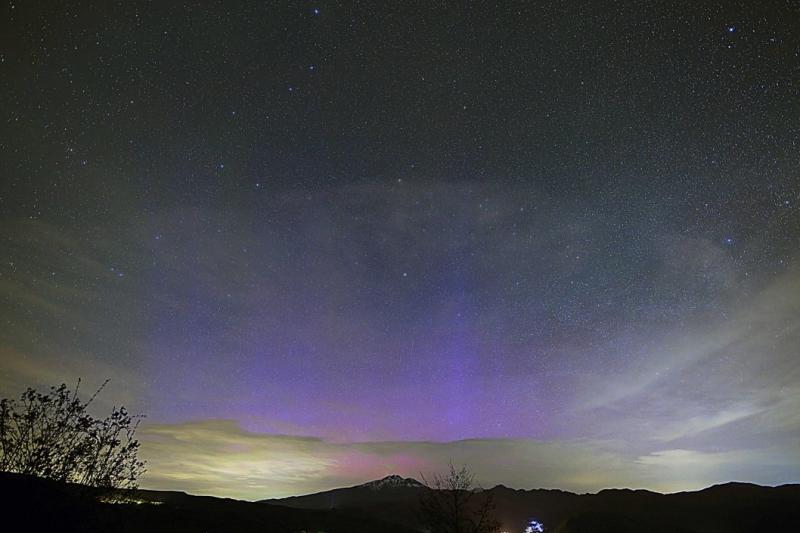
{"points": [[453, 503], [53, 436]]}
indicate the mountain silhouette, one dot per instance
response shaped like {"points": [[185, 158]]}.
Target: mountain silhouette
{"points": [[731, 507], [389, 505]]}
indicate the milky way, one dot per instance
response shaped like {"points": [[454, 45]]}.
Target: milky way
{"points": [[319, 243]]}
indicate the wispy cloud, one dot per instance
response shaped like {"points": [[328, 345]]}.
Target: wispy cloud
{"points": [[219, 457], [716, 384]]}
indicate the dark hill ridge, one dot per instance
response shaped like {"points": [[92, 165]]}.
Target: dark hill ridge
{"points": [[388, 488], [34, 504], [731, 507], [388, 505], [393, 496]]}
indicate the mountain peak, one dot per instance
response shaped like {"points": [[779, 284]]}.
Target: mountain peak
{"points": [[392, 482]]}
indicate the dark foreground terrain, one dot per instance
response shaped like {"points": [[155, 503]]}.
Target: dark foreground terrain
{"points": [[33, 504], [389, 506], [729, 508]]}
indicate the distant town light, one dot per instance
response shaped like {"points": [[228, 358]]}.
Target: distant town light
{"points": [[534, 527]]}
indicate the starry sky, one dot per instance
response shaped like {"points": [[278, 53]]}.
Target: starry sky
{"points": [[317, 243]]}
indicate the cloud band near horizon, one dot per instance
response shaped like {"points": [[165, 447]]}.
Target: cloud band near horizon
{"points": [[218, 457]]}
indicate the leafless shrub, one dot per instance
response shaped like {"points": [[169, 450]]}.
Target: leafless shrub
{"points": [[453, 503], [52, 435]]}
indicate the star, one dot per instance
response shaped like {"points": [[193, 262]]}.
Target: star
{"points": [[569, 241]]}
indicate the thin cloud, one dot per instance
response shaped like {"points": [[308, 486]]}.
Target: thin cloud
{"points": [[221, 458]]}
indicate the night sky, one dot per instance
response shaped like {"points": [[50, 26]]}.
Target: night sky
{"points": [[317, 243]]}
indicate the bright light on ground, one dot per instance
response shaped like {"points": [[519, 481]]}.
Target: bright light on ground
{"points": [[534, 527]]}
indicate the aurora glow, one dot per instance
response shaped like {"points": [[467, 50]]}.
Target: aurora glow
{"points": [[556, 243]]}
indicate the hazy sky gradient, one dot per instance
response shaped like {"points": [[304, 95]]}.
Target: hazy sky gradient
{"points": [[320, 244]]}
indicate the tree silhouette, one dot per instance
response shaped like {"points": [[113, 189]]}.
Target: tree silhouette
{"points": [[453, 503], [53, 436]]}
